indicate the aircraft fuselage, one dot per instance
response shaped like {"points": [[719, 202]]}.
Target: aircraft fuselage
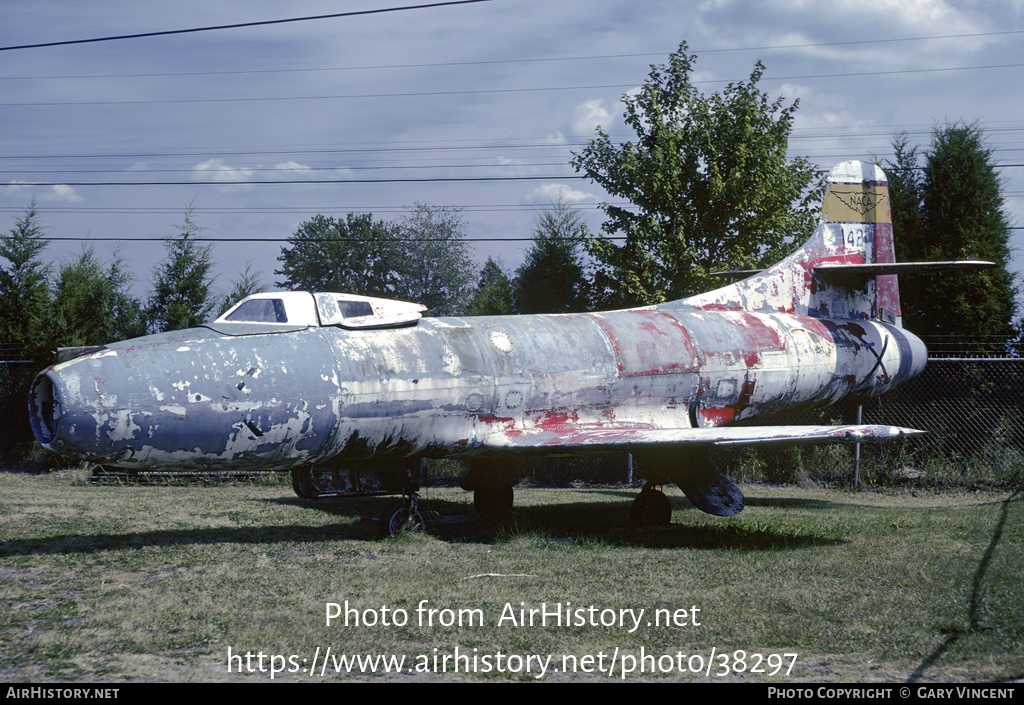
{"points": [[201, 399]]}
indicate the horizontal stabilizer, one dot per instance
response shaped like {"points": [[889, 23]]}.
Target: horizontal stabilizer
{"points": [[624, 439], [874, 269]]}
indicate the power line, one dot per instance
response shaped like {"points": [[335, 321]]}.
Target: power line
{"points": [[481, 91], [295, 181], [437, 64], [292, 210], [376, 165], [304, 239], [300, 168], [277, 152], [500, 143], [240, 25], [240, 182], [255, 240]]}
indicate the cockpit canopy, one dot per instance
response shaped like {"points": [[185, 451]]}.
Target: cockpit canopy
{"points": [[301, 308]]}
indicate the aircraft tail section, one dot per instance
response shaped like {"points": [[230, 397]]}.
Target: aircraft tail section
{"points": [[855, 228]]}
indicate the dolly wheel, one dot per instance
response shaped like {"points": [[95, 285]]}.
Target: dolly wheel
{"points": [[402, 517]]}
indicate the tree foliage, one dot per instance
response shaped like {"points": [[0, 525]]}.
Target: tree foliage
{"points": [[247, 284], [357, 255], [181, 295], [91, 304], [951, 208], [493, 296], [709, 181], [24, 288], [439, 271], [552, 279], [422, 258]]}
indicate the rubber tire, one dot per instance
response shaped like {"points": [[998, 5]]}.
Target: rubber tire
{"points": [[650, 508], [302, 483], [397, 519], [494, 498]]}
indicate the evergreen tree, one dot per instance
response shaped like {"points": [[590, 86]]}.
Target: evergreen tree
{"points": [[551, 280], [247, 284], [91, 305], [181, 283], [127, 312], [952, 209], [24, 288], [493, 295]]}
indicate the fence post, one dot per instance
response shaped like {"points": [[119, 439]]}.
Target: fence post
{"points": [[856, 453]]}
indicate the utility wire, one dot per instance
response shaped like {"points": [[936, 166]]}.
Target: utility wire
{"points": [[240, 25], [485, 91], [311, 239], [438, 64], [296, 181], [435, 179], [504, 144]]}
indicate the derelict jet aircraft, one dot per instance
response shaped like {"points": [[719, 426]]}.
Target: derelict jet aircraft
{"points": [[334, 386]]}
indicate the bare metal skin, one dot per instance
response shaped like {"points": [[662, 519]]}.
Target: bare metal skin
{"points": [[297, 380]]}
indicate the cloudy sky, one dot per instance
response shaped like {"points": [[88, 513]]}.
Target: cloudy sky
{"points": [[476, 105]]}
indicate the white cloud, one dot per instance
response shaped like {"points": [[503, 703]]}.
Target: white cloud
{"points": [[590, 115], [293, 167], [58, 193], [557, 138], [217, 170], [546, 193], [65, 194]]}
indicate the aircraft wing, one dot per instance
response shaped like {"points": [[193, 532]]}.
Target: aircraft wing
{"points": [[595, 440]]}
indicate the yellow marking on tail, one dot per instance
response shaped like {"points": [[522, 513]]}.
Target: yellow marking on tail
{"points": [[855, 203]]}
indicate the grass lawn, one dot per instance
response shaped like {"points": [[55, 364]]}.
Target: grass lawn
{"points": [[144, 583]]}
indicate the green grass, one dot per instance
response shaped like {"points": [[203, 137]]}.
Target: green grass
{"points": [[156, 583]]}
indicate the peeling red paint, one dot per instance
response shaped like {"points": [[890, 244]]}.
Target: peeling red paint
{"points": [[716, 417]]}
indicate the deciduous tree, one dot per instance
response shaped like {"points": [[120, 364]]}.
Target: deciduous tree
{"points": [[439, 270], [356, 255], [422, 258], [709, 183]]}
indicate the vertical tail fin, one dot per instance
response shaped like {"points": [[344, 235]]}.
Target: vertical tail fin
{"points": [[833, 275], [857, 202]]}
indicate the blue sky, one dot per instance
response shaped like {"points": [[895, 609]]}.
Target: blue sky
{"points": [[505, 88]]}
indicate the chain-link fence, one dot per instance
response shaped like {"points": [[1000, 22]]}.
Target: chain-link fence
{"points": [[16, 375], [972, 409]]}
